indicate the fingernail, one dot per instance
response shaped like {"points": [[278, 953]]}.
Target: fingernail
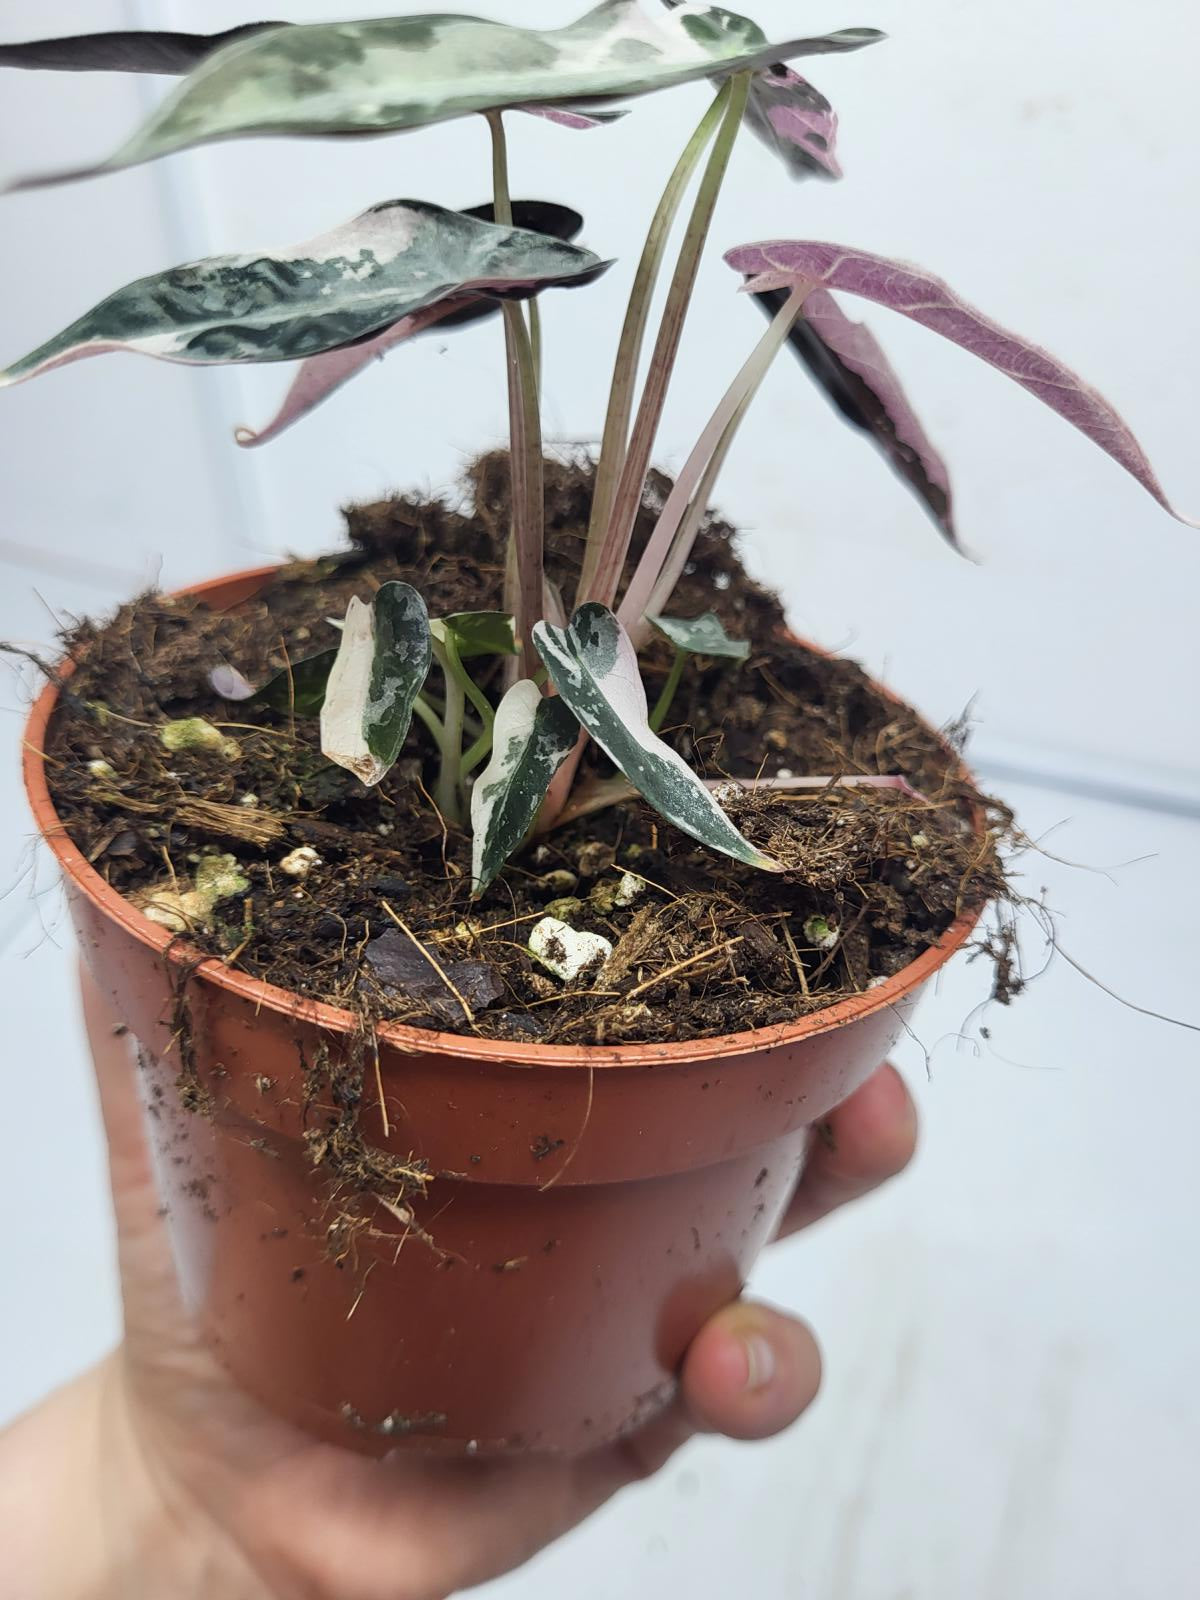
{"points": [[760, 1361]]}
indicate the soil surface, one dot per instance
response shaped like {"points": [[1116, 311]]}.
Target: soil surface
{"points": [[383, 922]]}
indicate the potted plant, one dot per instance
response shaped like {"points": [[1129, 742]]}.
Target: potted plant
{"points": [[485, 1002]]}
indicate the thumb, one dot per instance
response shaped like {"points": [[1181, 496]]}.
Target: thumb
{"points": [[750, 1372]]}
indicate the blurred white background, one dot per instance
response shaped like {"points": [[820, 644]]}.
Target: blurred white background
{"points": [[1010, 1409]]}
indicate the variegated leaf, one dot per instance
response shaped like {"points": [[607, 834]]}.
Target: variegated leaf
{"points": [[915, 293], [791, 117], [531, 738], [795, 120], [382, 661], [320, 376], [478, 633], [168, 53], [148, 50], [393, 73], [593, 665], [394, 261], [846, 360], [701, 636]]}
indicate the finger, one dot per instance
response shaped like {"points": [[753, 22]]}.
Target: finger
{"points": [[867, 1140], [750, 1372]]}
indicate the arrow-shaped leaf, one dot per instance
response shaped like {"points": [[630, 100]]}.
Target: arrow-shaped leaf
{"points": [[394, 261], [320, 376], [795, 120], [791, 117], [701, 636], [593, 665], [382, 661], [153, 50], [146, 50], [393, 73], [531, 738], [915, 293], [846, 360]]}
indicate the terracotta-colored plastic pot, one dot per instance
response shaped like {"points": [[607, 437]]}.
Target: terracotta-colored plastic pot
{"points": [[591, 1207]]}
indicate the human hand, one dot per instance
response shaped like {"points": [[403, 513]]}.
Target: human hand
{"points": [[155, 1476]]}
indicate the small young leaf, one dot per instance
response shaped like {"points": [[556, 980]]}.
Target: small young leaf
{"points": [[795, 120], [846, 360], [701, 636], [298, 688], [783, 263], [593, 665], [395, 261], [791, 117], [381, 664], [149, 50], [392, 73], [531, 738], [478, 633], [320, 376]]}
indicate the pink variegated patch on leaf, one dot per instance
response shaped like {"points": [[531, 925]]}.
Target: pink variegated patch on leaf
{"points": [[785, 263], [320, 376], [795, 120]]}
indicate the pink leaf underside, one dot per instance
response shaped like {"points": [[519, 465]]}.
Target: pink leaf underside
{"points": [[573, 116], [781, 263], [320, 376], [856, 346], [785, 109]]}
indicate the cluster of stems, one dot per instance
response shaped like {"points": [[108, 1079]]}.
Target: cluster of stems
{"points": [[626, 447]]}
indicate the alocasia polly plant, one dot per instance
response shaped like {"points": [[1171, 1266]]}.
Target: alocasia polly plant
{"points": [[364, 289]]}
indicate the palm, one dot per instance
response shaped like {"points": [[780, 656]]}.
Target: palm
{"points": [[271, 1515]]}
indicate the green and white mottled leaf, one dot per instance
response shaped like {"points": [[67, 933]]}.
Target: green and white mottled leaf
{"points": [[392, 73], [382, 661], [128, 50], [593, 665], [347, 285], [701, 636], [532, 737], [478, 633]]}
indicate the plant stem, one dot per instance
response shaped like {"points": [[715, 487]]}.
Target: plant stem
{"points": [[525, 433], [501, 198], [477, 753], [535, 340], [448, 793], [614, 546], [633, 333], [670, 544], [659, 715], [425, 713]]}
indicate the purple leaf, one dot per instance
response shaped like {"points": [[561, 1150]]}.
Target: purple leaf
{"points": [[783, 263], [795, 120], [573, 116], [847, 362]]}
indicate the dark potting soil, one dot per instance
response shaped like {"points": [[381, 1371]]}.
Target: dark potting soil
{"points": [[705, 946]]}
